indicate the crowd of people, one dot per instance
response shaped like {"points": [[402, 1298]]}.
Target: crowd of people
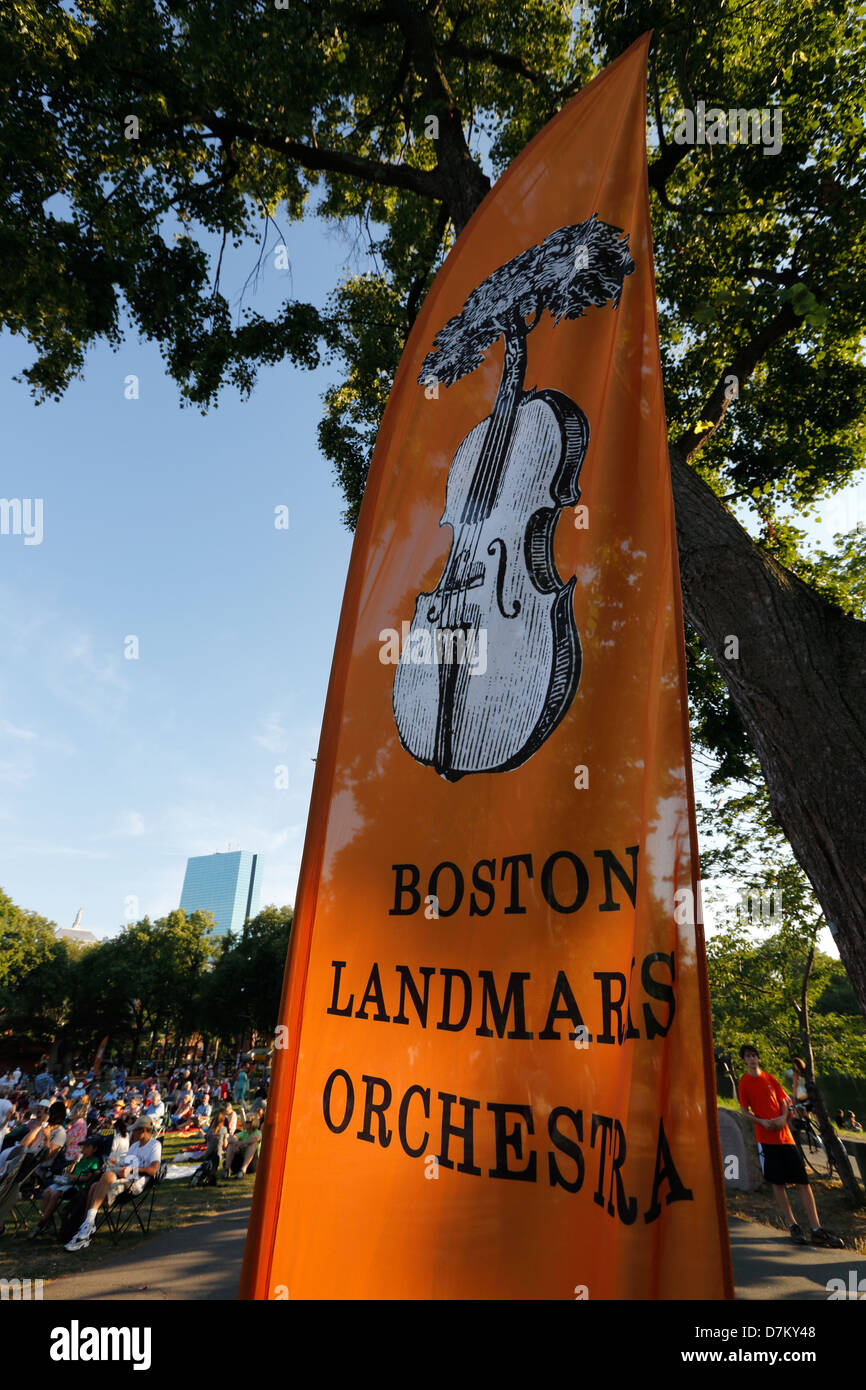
{"points": [[79, 1142]]}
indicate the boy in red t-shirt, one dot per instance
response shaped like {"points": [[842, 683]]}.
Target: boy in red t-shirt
{"points": [[763, 1100]]}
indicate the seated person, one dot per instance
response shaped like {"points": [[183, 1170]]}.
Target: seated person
{"points": [[113, 1140], [217, 1137], [183, 1115], [204, 1109], [851, 1122], [97, 1110], [260, 1105], [231, 1118], [129, 1173], [28, 1137], [76, 1130], [132, 1113], [82, 1173], [155, 1107], [54, 1140], [245, 1145], [7, 1109]]}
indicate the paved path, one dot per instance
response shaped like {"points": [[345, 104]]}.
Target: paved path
{"points": [[204, 1262], [767, 1265]]}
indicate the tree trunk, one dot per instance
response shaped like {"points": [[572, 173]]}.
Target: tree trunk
{"points": [[832, 1143], [797, 676], [54, 1056]]}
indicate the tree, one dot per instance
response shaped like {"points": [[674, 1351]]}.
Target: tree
{"points": [[242, 992], [25, 939], [146, 982], [764, 991], [137, 131], [116, 989], [181, 947]]}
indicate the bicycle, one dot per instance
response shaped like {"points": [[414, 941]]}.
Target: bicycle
{"points": [[809, 1142]]}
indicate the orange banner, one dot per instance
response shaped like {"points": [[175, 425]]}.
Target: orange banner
{"points": [[97, 1061], [499, 1078]]}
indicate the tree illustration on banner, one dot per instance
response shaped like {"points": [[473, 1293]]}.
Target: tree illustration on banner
{"points": [[493, 658]]}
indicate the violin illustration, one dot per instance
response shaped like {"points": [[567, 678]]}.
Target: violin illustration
{"points": [[493, 657]]}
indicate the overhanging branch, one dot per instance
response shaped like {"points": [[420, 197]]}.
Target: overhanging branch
{"points": [[741, 366], [480, 53], [319, 159]]}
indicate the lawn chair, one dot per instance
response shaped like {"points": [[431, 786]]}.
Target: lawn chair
{"points": [[10, 1194], [130, 1207], [160, 1127]]}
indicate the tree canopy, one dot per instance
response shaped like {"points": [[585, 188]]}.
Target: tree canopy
{"points": [[141, 137], [159, 982], [135, 128]]}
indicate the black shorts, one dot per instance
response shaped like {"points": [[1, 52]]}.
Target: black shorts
{"points": [[782, 1163]]}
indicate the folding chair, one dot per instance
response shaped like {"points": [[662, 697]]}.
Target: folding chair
{"points": [[10, 1195], [9, 1209], [130, 1207], [34, 1195], [160, 1129]]}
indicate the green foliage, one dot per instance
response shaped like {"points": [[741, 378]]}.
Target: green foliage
{"points": [[715, 722], [246, 113], [35, 973], [242, 993], [172, 977], [756, 986]]}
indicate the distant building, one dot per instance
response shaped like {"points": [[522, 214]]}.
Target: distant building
{"points": [[77, 933], [227, 885]]}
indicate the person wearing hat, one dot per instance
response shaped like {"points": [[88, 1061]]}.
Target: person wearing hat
{"points": [[83, 1171], [140, 1162]]}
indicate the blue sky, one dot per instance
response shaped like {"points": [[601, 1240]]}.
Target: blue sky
{"points": [[158, 523]]}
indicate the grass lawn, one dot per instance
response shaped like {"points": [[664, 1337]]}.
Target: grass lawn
{"points": [[175, 1204]]}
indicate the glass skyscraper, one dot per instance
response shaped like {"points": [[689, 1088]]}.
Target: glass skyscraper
{"points": [[228, 885]]}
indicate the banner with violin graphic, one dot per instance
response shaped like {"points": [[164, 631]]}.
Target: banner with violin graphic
{"points": [[494, 1069]]}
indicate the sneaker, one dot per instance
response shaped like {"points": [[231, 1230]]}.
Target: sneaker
{"points": [[80, 1240], [36, 1231], [827, 1239], [797, 1234]]}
